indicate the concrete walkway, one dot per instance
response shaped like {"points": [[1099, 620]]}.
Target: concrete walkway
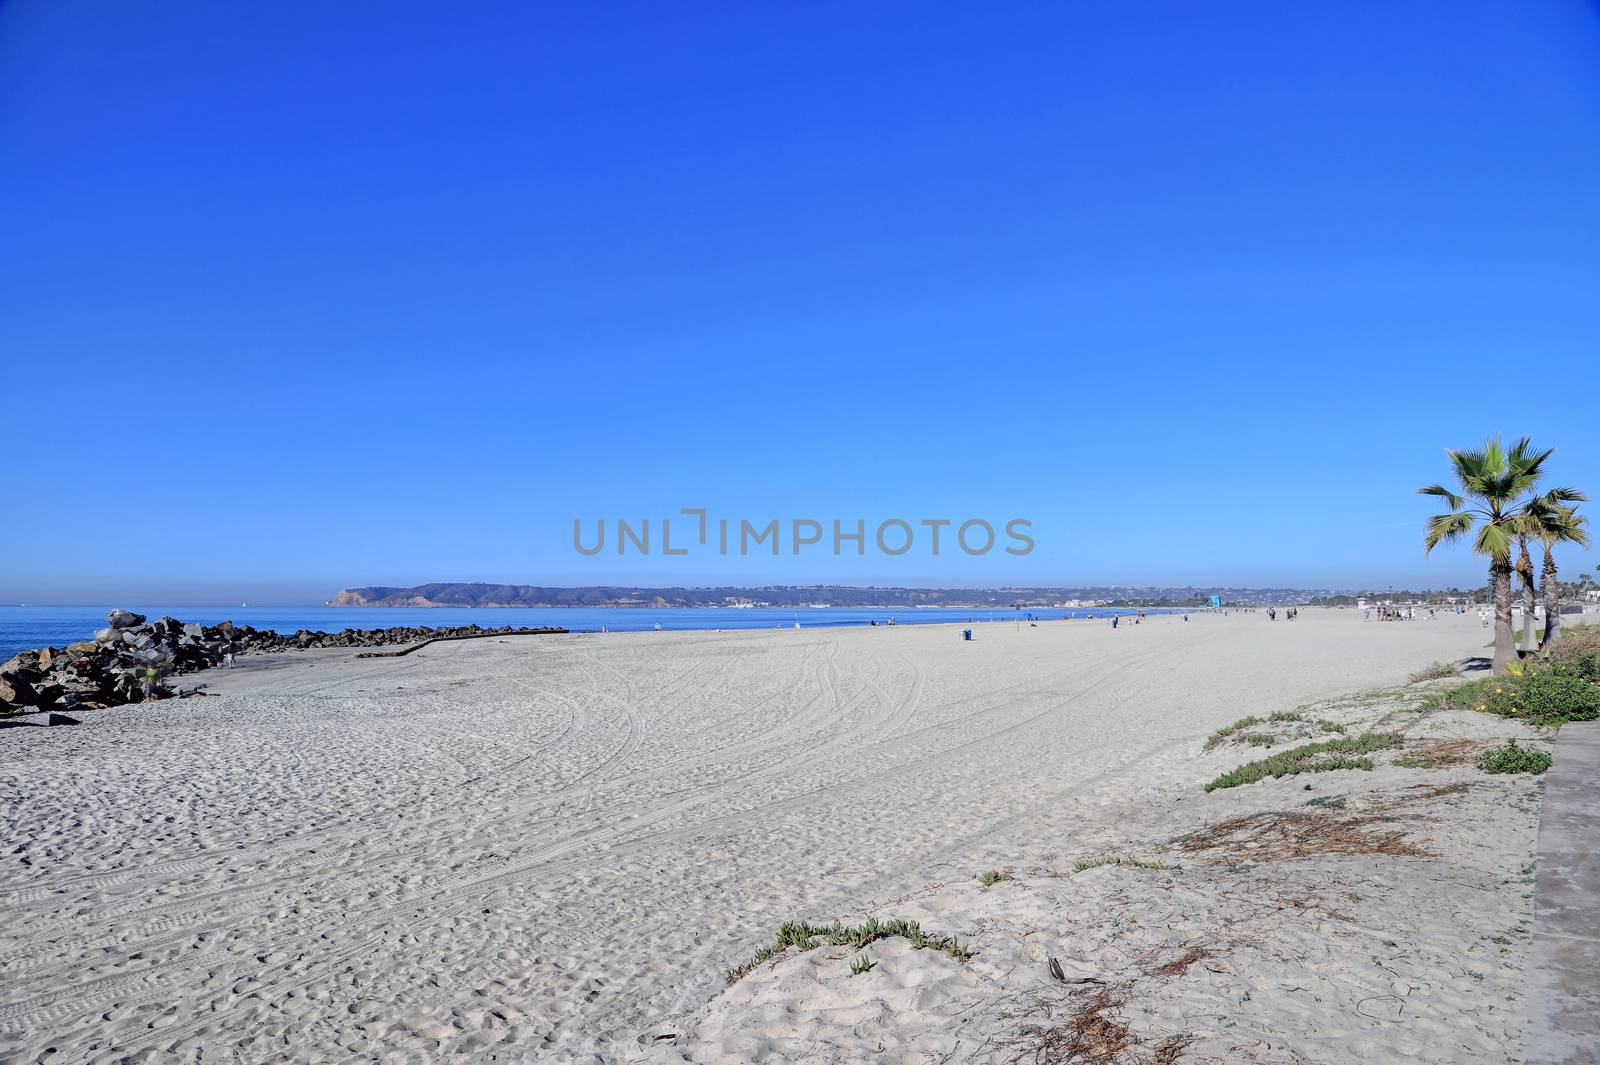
{"points": [[1564, 984]]}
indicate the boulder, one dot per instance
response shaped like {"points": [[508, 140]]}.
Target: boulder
{"points": [[124, 619], [21, 660], [17, 693]]}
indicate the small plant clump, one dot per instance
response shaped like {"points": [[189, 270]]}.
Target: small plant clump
{"points": [[989, 879], [1113, 859], [1432, 671], [1286, 715], [803, 937], [1228, 730], [1513, 759], [1261, 741], [1345, 753], [860, 964], [1331, 726]]}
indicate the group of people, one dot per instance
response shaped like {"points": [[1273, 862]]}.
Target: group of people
{"points": [[1393, 613], [1289, 613]]}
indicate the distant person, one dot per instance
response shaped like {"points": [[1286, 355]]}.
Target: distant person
{"points": [[150, 677], [1113, 621]]}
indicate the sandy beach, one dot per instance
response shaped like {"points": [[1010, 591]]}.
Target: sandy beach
{"points": [[551, 848]]}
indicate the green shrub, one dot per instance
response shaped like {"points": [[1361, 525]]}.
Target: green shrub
{"points": [[1286, 715], [1345, 753], [1544, 693], [1513, 759], [1227, 730], [1330, 726], [1580, 661]]}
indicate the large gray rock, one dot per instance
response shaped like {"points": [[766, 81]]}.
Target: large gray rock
{"points": [[107, 635], [124, 619]]}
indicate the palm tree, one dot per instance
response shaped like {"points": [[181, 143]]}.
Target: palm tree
{"points": [[1548, 519], [1493, 481], [1525, 574]]}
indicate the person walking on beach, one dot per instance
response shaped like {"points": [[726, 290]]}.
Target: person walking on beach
{"points": [[150, 676]]}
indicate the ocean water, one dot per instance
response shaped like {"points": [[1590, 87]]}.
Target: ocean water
{"points": [[56, 626]]}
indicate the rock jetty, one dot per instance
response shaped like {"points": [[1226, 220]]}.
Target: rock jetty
{"points": [[110, 669]]}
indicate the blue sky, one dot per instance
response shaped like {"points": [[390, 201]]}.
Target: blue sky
{"points": [[296, 296]]}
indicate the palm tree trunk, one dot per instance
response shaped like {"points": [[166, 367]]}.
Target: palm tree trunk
{"points": [[1500, 586], [1525, 571], [1552, 601]]}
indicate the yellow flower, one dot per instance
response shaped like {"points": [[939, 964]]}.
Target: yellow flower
{"points": [[1481, 706], [1499, 691]]}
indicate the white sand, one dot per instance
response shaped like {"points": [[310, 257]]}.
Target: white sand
{"points": [[549, 849]]}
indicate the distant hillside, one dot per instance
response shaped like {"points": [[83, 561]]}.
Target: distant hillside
{"points": [[527, 595]]}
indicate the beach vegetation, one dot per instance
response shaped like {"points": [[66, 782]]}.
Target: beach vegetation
{"points": [[1432, 671], [1547, 694], [1228, 730], [1286, 715], [990, 878], [803, 936], [1261, 741], [860, 964], [1270, 836], [1114, 859], [1331, 726], [1349, 752], [1511, 758]]}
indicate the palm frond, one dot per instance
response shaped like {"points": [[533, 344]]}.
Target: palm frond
{"points": [[1494, 540], [1443, 528], [1455, 502]]}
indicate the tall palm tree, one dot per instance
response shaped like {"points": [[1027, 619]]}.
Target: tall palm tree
{"points": [[1550, 519], [1493, 481]]}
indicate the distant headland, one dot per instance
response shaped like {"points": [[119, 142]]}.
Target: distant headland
{"points": [[480, 594]]}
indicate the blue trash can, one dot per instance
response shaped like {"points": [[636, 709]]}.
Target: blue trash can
{"points": [[966, 634]]}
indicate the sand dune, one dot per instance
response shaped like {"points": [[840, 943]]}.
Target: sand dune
{"points": [[548, 849]]}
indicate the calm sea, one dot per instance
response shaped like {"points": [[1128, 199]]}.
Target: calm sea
{"points": [[56, 626]]}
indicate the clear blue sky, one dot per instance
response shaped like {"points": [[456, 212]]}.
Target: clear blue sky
{"points": [[299, 296]]}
